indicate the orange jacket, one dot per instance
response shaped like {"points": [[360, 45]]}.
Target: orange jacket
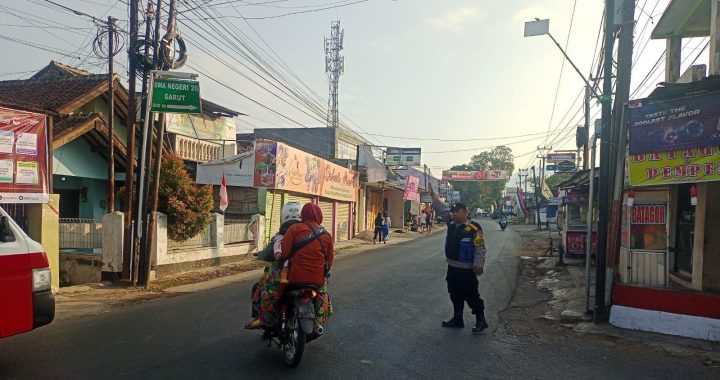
{"points": [[307, 265]]}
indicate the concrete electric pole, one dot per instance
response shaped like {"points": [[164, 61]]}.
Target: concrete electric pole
{"points": [[334, 68]]}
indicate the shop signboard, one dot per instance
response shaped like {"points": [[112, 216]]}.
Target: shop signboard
{"points": [[305, 173], [673, 124], [648, 226], [264, 172], [403, 156], [678, 166], [566, 166], [472, 176], [24, 176], [561, 156], [575, 243]]}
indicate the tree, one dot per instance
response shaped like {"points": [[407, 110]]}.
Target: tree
{"points": [[186, 205], [484, 194]]}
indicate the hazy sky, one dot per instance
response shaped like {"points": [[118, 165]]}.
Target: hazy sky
{"points": [[426, 69]]}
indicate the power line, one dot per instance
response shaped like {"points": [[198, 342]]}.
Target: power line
{"points": [[297, 12]]}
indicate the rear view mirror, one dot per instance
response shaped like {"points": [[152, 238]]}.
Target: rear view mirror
{"points": [[6, 234]]}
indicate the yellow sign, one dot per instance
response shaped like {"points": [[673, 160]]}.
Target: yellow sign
{"points": [[678, 166]]}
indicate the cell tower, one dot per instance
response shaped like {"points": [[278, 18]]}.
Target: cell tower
{"points": [[334, 67]]}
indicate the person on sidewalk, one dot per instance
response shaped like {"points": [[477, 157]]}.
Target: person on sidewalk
{"points": [[386, 227], [377, 234], [428, 220], [465, 255], [421, 221]]}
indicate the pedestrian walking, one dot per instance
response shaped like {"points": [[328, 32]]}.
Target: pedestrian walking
{"points": [[377, 233], [428, 220], [423, 221], [465, 255], [386, 227]]}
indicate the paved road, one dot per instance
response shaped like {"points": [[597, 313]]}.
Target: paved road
{"points": [[388, 303]]}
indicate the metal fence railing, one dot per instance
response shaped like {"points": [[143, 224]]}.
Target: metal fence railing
{"points": [[201, 240], [80, 234], [236, 230]]}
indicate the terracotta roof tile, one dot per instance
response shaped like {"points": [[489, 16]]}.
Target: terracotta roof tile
{"points": [[50, 94]]}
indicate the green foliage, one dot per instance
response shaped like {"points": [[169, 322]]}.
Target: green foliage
{"points": [[484, 194], [186, 205]]}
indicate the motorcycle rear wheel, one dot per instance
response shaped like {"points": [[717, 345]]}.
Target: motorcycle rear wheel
{"points": [[294, 346]]}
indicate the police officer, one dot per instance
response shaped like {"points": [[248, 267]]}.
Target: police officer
{"points": [[465, 255]]}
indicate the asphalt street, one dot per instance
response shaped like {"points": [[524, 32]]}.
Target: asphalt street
{"points": [[388, 307]]}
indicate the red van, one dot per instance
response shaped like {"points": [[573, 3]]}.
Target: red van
{"points": [[26, 301]]}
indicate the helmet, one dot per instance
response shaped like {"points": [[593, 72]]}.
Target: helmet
{"points": [[291, 211]]}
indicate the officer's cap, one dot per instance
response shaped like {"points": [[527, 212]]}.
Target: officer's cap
{"points": [[458, 206]]}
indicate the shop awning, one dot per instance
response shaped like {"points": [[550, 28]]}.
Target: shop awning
{"points": [[684, 18]]}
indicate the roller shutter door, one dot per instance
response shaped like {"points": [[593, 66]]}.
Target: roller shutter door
{"points": [[343, 220], [326, 206], [299, 198], [272, 214]]}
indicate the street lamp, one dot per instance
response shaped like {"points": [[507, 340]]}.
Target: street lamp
{"points": [[542, 27]]}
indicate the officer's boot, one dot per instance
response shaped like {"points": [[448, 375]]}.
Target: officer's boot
{"points": [[455, 322], [480, 323]]}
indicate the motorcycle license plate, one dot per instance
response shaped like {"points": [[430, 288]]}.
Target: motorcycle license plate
{"points": [[306, 310]]}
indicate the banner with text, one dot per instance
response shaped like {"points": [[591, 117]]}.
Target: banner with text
{"points": [[482, 175], [23, 157], [666, 125], [678, 166], [411, 189], [305, 173]]}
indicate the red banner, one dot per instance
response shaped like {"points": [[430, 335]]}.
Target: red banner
{"points": [[575, 243], [24, 175], [481, 175]]}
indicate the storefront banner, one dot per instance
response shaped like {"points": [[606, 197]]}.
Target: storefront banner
{"points": [[238, 171], [679, 166], [561, 157], [648, 228], [482, 175], [667, 125], [305, 173], [411, 188], [264, 173], [24, 174], [575, 243]]}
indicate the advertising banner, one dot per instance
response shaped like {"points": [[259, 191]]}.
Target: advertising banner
{"points": [[264, 173], [678, 166], [482, 175], [648, 229], [575, 243], [403, 156], [560, 157], [667, 125], [24, 176], [305, 173], [411, 188]]}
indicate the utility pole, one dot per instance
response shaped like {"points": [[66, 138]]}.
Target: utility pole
{"points": [[619, 133], [334, 68], [586, 146], [605, 163], [131, 128], [111, 118], [537, 202]]}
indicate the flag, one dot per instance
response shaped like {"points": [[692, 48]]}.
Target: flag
{"points": [[546, 191], [224, 202], [521, 201]]}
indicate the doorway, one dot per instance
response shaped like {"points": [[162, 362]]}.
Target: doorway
{"points": [[685, 232]]}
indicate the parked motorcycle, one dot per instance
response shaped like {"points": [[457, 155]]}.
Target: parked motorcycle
{"points": [[295, 326], [503, 224]]}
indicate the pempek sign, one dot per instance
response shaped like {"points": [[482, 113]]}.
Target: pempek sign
{"points": [[678, 166]]}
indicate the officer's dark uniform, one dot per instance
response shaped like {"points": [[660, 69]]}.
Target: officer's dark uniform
{"points": [[464, 250]]}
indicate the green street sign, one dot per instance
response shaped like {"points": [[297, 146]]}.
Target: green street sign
{"points": [[176, 96], [566, 166]]}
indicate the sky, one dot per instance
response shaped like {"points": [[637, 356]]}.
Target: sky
{"points": [[423, 70]]}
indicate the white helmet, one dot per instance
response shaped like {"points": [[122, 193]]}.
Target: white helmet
{"points": [[291, 211]]}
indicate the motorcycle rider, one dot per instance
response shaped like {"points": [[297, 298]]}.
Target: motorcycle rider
{"points": [[309, 264]]}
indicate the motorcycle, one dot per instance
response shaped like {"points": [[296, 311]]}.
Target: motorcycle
{"points": [[295, 326], [503, 224]]}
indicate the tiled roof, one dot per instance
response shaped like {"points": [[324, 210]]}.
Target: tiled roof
{"points": [[50, 94], [56, 70], [69, 122]]}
